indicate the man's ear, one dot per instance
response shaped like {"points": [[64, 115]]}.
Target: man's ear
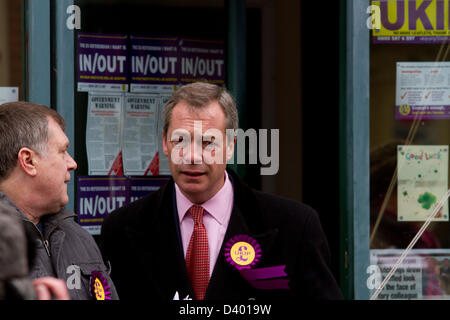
{"points": [[165, 149], [27, 161]]}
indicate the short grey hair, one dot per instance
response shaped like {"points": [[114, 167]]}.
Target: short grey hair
{"points": [[23, 124], [198, 95]]}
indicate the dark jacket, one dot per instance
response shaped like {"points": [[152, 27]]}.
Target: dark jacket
{"points": [[142, 241], [65, 251], [14, 258]]}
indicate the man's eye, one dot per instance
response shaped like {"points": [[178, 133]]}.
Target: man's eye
{"points": [[180, 139], [208, 143]]}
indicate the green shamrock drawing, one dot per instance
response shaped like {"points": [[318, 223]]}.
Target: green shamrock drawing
{"points": [[427, 200]]}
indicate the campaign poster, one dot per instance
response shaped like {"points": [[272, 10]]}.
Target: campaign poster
{"points": [[411, 21], [104, 133], [424, 274], [422, 182], [97, 197], [143, 186], [102, 62], [154, 64], [140, 139], [422, 91], [202, 60]]}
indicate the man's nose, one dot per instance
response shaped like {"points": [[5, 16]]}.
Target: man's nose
{"points": [[72, 164], [196, 154]]}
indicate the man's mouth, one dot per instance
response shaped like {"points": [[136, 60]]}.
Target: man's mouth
{"points": [[193, 173]]}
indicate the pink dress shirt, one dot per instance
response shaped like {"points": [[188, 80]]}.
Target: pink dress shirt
{"points": [[215, 219]]}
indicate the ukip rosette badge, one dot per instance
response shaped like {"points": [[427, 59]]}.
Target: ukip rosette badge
{"points": [[99, 286], [242, 252]]}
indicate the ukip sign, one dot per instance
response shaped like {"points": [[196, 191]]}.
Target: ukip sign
{"points": [[409, 21]]}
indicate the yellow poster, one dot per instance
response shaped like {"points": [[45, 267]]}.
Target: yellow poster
{"points": [[409, 21], [422, 182]]}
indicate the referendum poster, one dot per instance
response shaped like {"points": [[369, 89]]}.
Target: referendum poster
{"points": [[410, 21], [104, 133], [142, 186], [97, 197], [202, 60], [102, 62], [423, 274], [154, 64], [422, 90], [140, 144], [422, 182]]}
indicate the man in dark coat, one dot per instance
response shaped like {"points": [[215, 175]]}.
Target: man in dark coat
{"points": [[206, 235], [35, 168]]}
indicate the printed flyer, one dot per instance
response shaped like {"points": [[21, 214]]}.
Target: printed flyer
{"points": [[424, 274], [422, 90], [140, 137], [102, 62], [104, 133], [154, 64], [422, 182], [412, 21]]}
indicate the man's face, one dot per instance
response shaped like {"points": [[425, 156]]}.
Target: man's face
{"points": [[53, 169], [198, 177]]}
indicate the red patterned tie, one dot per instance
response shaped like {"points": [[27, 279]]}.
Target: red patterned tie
{"points": [[197, 257]]}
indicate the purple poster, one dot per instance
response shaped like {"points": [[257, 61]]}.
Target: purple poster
{"points": [[154, 64], [99, 196], [202, 60], [142, 186], [102, 62]]}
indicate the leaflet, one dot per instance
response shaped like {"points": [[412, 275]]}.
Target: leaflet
{"points": [[103, 134], [140, 143], [422, 90]]}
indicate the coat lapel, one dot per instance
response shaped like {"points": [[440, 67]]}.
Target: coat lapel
{"points": [[160, 250], [246, 218]]}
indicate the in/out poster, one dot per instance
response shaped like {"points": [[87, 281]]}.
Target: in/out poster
{"points": [[154, 64], [102, 62], [422, 182]]}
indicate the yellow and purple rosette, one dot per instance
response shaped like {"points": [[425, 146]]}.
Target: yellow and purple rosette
{"points": [[242, 252], [100, 290]]}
